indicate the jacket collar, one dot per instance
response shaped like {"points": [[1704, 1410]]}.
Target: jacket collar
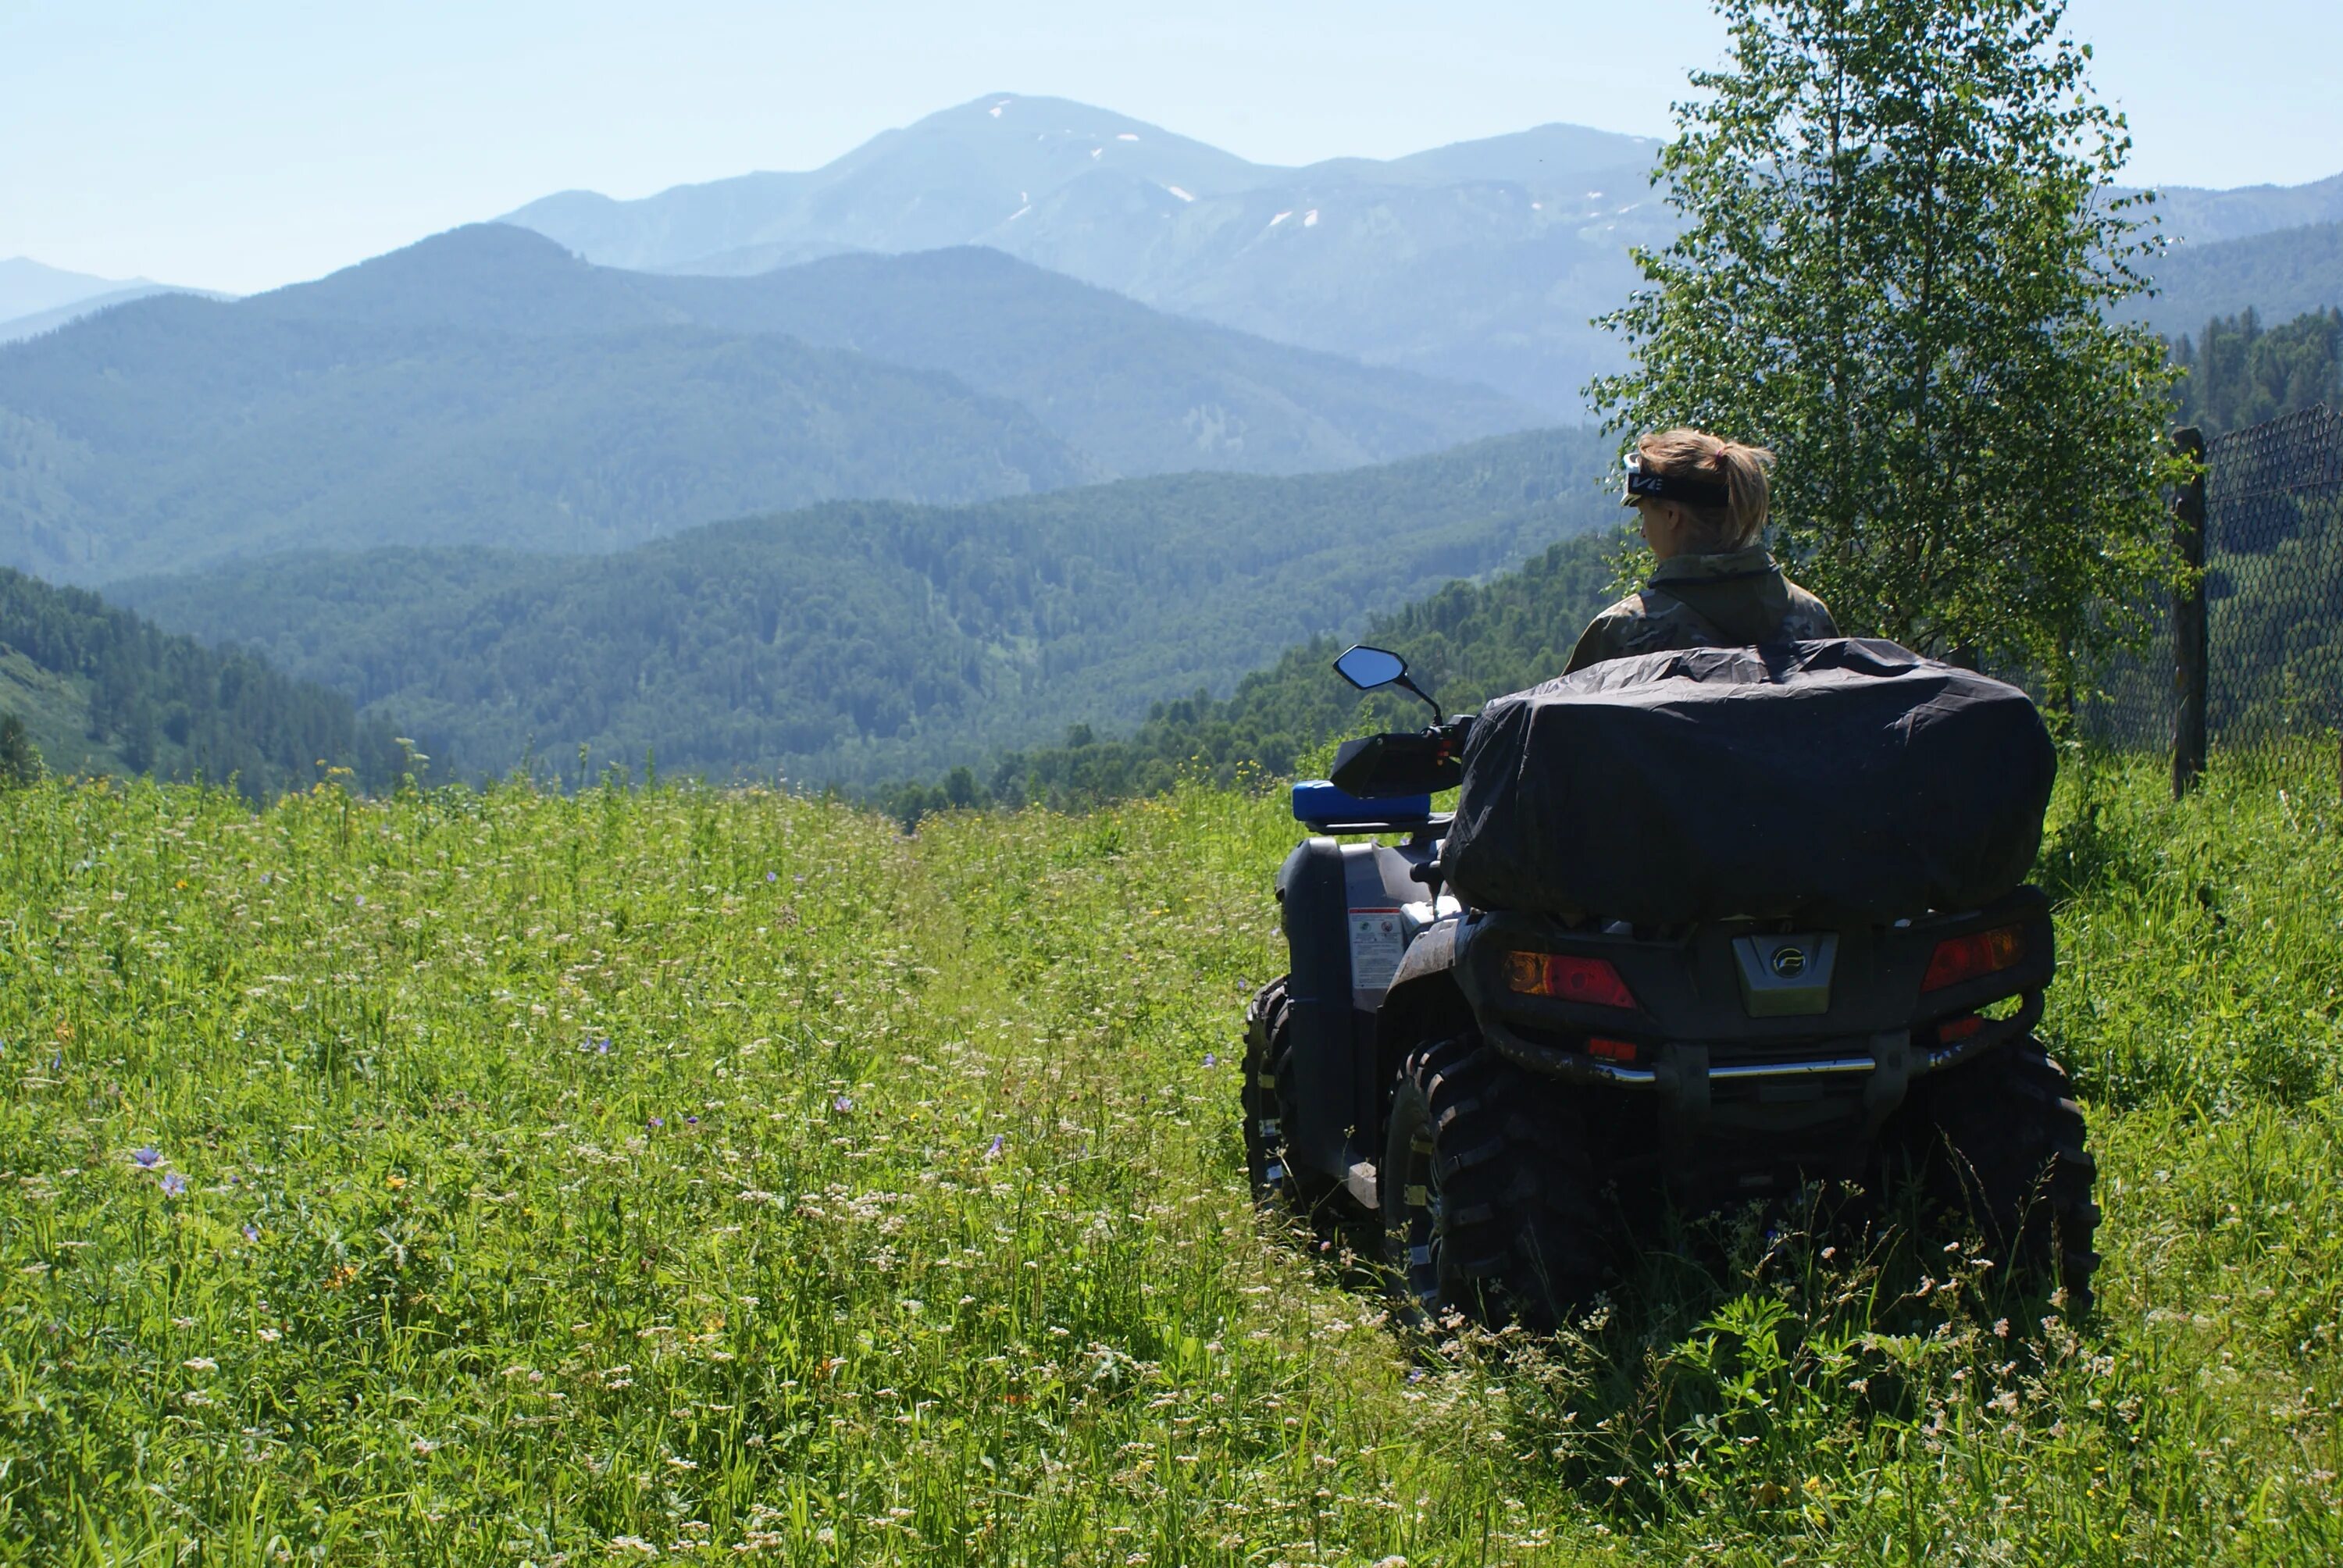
{"points": [[1749, 562]]}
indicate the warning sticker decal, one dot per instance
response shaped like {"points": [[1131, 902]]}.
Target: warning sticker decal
{"points": [[1376, 943]]}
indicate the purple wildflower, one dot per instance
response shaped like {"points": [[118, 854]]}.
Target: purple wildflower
{"points": [[772, 876], [843, 1103], [252, 1232], [1210, 1061], [602, 1045], [362, 900], [994, 1152], [174, 1184], [659, 1122], [691, 1121], [146, 1159]]}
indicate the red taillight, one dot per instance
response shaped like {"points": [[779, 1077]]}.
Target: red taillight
{"points": [[1568, 977], [1959, 959], [1958, 1028], [1610, 1049]]}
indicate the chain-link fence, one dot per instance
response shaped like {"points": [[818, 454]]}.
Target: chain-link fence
{"points": [[2273, 601]]}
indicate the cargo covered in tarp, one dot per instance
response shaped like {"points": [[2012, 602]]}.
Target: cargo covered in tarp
{"points": [[1846, 779]]}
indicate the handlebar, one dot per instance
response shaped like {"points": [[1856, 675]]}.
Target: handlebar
{"points": [[1405, 762]]}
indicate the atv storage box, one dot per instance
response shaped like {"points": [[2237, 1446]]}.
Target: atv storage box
{"points": [[1835, 778]]}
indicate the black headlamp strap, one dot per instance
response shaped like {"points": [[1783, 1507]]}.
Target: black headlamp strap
{"points": [[1644, 486]]}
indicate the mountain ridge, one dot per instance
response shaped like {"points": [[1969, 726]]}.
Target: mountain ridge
{"points": [[27, 287], [1101, 371], [2279, 275], [1330, 256], [486, 385], [173, 431], [36, 298]]}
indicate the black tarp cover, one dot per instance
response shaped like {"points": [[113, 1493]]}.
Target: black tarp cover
{"points": [[1840, 779]]}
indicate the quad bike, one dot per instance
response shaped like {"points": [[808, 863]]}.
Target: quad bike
{"points": [[1503, 1097]]}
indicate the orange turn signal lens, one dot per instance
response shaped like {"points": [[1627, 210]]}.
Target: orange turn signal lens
{"points": [[1959, 959], [1568, 977]]}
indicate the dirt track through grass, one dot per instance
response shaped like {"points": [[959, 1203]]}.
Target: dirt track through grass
{"points": [[509, 1179]]}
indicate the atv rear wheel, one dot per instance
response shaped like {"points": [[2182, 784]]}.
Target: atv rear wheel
{"points": [[1489, 1198], [2001, 1139], [1267, 1096]]}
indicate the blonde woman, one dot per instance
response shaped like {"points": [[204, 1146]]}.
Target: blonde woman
{"points": [[1702, 499]]}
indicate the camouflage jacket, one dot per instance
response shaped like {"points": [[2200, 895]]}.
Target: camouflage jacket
{"points": [[1729, 600]]}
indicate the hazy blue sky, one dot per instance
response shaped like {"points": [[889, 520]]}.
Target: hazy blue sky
{"points": [[239, 144]]}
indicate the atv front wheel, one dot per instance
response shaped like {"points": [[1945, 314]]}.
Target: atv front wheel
{"points": [[1267, 1097], [1489, 1198], [2001, 1139]]}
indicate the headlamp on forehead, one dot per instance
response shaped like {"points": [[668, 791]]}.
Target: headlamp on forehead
{"points": [[1645, 486]]}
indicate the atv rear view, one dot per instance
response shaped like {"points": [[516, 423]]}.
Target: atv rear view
{"points": [[1509, 1034]]}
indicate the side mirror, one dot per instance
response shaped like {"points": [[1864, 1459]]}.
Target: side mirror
{"points": [[1370, 668]]}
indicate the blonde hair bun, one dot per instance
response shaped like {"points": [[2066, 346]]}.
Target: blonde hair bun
{"points": [[1687, 453]]}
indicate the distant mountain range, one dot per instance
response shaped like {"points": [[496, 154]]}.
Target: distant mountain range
{"points": [[1479, 262], [28, 286], [485, 388], [1483, 262], [865, 641], [2193, 216], [35, 299], [2279, 276]]}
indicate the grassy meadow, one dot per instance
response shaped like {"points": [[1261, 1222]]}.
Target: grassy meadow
{"points": [[504, 1178]]}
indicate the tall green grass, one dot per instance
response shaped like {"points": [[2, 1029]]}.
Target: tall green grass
{"points": [[719, 1175]]}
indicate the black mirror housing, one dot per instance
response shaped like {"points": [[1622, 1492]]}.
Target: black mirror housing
{"points": [[1370, 669]]}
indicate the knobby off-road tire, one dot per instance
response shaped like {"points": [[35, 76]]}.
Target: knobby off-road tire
{"points": [[1267, 1096], [2001, 1139], [1489, 1202]]}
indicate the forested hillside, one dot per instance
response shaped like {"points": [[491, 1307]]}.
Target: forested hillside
{"points": [[1464, 643], [867, 641], [101, 690], [2240, 372], [1135, 391], [1470, 642], [2279, 275], [33, 324]]}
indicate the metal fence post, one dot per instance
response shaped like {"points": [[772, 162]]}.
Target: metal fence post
{"points": [[2188, 628]]}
